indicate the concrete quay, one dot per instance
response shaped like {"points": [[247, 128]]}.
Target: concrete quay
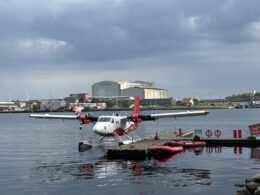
{"points": [[231, 142]]}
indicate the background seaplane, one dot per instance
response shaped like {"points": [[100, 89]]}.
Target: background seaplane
{"points": [[117, 125]]}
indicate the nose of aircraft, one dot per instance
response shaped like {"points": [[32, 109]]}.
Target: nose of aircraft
{"points": [[99, 128]]}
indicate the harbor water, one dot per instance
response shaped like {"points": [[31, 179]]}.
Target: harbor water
{"points": [[41, 157]]}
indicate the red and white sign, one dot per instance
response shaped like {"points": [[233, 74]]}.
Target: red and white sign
{"points": [[217, 133], [208, 133], [255, 129]]}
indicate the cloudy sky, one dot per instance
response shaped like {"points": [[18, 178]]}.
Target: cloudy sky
{"points": [[195, 48]]}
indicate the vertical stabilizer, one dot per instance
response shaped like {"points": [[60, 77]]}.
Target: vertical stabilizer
{"points": [[136, 108]]}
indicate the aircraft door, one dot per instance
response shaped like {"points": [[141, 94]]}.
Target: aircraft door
{"points": [[123, 123]]}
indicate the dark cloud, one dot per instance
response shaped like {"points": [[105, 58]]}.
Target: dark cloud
{"points": [[181, 45]]}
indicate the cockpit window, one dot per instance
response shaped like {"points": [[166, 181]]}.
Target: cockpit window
{"points": [[104, 119]]}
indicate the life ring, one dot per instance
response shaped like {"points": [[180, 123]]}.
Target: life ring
{"points": [[208, 133], [217, 133]]}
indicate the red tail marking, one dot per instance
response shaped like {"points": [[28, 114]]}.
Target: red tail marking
{"points": [[131, 128], [136, 109]]}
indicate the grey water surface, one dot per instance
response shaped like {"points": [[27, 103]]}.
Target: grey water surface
{"points": [[41, 157]]}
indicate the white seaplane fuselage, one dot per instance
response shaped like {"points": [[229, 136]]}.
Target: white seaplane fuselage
{"points": [[113, 125]]}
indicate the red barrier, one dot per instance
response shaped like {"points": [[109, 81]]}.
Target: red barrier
{"points": [[234, 133], [240, 150], [239, 133]]}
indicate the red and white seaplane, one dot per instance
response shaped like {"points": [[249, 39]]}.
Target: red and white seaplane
{"points": [[117, 125]]}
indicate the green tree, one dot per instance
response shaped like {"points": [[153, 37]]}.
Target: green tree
{"points": [[196, 101]]}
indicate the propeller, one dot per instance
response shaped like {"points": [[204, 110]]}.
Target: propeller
{"points": [[86, 119]]}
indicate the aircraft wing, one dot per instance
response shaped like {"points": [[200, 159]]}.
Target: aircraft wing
{"points": [[85, 119], [54, 116], [173, 115]]}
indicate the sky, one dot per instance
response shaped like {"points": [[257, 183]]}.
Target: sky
{"points": [[192, 48]]}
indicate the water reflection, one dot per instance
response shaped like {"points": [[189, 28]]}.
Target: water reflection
{"points": [[177, 176], [166, 157], [169, 170], [210, 150], [74, 170], [255, 153], [122, 170], [175, 171], [196, 150]]}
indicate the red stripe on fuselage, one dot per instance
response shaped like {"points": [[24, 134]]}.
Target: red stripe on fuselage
{"points": [[121, 131], [118, 131]]}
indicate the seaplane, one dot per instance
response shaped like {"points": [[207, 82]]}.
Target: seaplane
{"points": [[116, 125]]}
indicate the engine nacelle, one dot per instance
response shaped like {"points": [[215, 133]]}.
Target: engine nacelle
{"points": [[84, 119]]}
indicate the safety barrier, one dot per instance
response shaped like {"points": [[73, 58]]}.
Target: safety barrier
{"points": [[237, 133]]}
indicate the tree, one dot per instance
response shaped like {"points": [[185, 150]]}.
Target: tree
{"points": [[35, 107], [196, 101]]}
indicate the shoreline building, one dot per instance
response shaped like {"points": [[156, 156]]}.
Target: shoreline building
{"points": [[146, 93], [114, 88], [149, 95]]}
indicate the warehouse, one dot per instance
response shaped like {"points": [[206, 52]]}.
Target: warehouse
{"points": [[113, 88], [149, 95], [146, 93], [106, 88]]}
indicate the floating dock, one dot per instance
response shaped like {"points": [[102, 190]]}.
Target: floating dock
{"points": [[140, 150], [134, 151]]}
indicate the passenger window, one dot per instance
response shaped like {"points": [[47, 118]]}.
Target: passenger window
{"points": [[112, 121]]}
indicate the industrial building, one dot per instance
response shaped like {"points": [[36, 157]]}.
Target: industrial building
{"points": [[114, 88], [145, 90], [12, 106], [106, 88], [146, 93]]}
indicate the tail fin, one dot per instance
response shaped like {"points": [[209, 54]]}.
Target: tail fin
{"points": [[136, 108]]}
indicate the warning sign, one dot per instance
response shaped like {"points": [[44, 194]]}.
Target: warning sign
{"points": [[217, 133], [208, 133]]}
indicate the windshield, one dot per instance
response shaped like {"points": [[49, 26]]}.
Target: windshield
{"points": [[104, 119]]}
